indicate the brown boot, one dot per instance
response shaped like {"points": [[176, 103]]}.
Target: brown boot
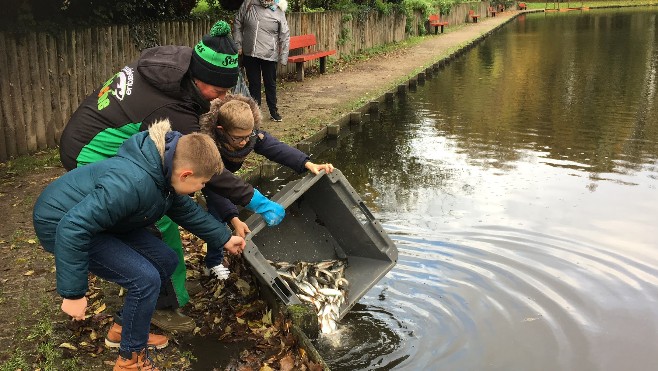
{"points": [[138, 361], [113, 338]]}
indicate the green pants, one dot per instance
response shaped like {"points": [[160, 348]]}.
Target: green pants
{"points": [[171, 236]]}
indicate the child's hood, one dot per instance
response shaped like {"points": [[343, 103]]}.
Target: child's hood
{"points": [[208, 121], [147, 150]]}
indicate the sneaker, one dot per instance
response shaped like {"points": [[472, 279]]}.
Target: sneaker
{"points": [[113, 338], [172, 320], [219, 271], [136, 361], [276, 117]]}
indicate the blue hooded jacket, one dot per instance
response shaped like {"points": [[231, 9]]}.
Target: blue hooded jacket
{"points": [[117, 195]]}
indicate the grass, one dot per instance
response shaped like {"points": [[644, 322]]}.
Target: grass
{"points": [[35, 347], [30, 163]]}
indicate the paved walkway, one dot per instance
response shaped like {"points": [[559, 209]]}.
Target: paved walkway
{"points": [[319, 100]]}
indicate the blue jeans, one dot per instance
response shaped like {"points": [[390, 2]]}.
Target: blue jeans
{"points": [[139, 262]]}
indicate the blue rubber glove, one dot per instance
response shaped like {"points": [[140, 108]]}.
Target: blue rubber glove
{"points": [[271, 212]]}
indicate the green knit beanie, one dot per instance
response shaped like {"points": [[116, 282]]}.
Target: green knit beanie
{"points": [[215, 57]]}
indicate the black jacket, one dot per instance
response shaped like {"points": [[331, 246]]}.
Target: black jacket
{"points": [[157, 86], [267, 146]]}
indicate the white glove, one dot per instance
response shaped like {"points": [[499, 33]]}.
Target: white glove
{"points": [[220, 272]]}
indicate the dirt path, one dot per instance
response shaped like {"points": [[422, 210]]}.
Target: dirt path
{"points": [[29, 307], [321, 99]]}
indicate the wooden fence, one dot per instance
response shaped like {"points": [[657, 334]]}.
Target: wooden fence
{"points": [[44, 76]]}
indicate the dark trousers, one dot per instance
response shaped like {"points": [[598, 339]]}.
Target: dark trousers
{"points": [[255, 67]]}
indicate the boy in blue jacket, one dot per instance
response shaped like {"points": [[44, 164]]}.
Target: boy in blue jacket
{"points": [[234, 124], [94, 219]]}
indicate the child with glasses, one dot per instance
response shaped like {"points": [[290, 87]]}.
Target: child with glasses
{"points": [[234, 123]]}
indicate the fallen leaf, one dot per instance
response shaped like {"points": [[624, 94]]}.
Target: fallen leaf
{"points": [[31, 241], [287, 363], [267, 318], [243, 286], [28, 273], [67, 346], [100, 309]]}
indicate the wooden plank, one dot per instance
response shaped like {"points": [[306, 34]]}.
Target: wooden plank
{"points": [[302, 41], [77, 57], [178, 36], [114, 59], [29, 90], [163, 34], [16, 86], [56, 122], [186, 34], [3, 137], [63, 89], [45, 138], [6, 139], [89, 55], [100, 62], [121, 48]]}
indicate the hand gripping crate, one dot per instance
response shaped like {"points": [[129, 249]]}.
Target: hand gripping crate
{"points": [[325, 219]]}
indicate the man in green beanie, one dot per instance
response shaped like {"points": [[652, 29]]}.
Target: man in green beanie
{"points": [[177, 83]]}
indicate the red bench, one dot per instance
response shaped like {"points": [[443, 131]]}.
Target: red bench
{"points": [[301, 42], [492, 11], [474, 17], [436, 22], [523, 6]]}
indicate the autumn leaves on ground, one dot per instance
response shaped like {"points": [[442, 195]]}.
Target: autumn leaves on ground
{"points": [[37, 335]]}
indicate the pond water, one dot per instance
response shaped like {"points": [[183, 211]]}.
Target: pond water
{"points": [[520, 185]]}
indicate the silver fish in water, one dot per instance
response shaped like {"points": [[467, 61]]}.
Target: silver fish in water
{"points": [[321, 284]]}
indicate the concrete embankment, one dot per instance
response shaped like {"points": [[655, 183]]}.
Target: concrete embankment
{"points": [[310, 106]]}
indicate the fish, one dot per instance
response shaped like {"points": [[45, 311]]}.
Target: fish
{"points": [[322, 284], [327, 291]]}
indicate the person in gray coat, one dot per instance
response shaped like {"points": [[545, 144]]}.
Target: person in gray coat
{"points": [[263, 38]]}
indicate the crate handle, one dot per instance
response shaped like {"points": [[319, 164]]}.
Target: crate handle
{"points": [[367, 212], [282, 290]]}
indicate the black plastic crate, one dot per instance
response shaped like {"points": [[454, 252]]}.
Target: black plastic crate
{"points": [[325, 219]]}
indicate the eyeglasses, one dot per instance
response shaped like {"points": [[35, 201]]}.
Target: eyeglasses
{"points": [[241, 139]]}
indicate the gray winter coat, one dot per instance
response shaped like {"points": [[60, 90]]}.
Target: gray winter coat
{"points": [[262, 32]]}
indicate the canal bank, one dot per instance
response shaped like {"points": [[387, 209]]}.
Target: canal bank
{"points": [[308, 107], [323, 105]]}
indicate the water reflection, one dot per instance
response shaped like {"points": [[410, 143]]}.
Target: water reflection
{"points": [[520, 188]]}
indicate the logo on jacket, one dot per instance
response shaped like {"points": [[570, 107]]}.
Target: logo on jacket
{"points": [[124, 82]]}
